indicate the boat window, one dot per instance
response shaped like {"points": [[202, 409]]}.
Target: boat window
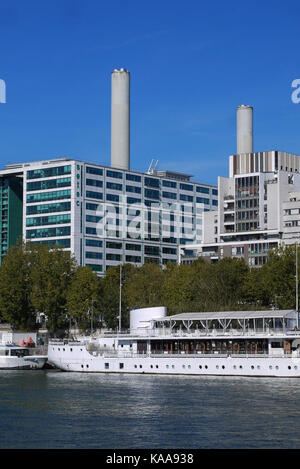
{"points": [[276, 345], [19, 352], [121, 366], [106, 366]]}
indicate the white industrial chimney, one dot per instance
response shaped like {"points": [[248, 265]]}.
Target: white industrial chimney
{"points": [[244, 129], [120, 119]]}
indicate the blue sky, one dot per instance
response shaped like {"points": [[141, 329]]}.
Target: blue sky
{"points": [[192, 63]]}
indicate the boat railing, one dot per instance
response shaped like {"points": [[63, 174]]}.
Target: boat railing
{"points": [[183, 333], [191, 354], [162, 332]]}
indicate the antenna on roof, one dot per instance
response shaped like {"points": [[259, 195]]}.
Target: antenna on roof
{"points": [[152, 167]]}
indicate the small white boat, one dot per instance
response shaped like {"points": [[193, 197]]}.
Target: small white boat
{"points": [[15, 357]]}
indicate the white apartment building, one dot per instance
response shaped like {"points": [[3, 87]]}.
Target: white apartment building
{"points": [[258, 206]]}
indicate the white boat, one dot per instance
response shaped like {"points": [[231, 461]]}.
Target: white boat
{"points": [[232, 343], [15, 357]]}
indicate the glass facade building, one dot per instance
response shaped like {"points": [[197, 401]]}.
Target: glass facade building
{"points": [[11, 212], [105, 216]]}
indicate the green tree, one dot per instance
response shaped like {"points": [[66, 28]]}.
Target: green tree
{"points": [[83, 297], [278, 277], [145, 287], [229, 277], [51, 275], [15, 288], [178, 288]]}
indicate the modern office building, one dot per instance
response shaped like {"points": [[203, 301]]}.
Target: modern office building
{"points": [[258, 205], [105, 215]]}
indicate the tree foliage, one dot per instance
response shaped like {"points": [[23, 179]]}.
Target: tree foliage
{"points": [[83, 297], [35, 279], [15, 288]]}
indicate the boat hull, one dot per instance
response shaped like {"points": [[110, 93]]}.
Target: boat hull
{"points": [[85, 362], [23, 363]]}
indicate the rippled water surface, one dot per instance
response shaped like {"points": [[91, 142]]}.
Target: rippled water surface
{"points": [[52, 409]]}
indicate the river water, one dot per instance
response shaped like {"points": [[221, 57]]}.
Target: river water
{"points": [[51, 409]]}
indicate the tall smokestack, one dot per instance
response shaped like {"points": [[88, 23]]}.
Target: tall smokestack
{"points": [[120, 119], [244, 129]]}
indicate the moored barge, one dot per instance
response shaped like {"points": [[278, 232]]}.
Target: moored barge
{"points": [[232, 343]]}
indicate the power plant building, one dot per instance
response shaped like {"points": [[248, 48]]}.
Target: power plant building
{"points": [[258, 204]]}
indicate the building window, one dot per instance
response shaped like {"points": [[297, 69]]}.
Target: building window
{"points": [[94, 183], [114, 174], [113, 257], [51, 220], [151, 194], [48, 184], [48, 232], [48, 172], [150, 182], [186, 187], [133, 177], [203, 190], [169, 184], [94, 195], [202, 200], [48, 208], [169, 195], [112, 197], [91, 170], [114, 186], [45, 196], [135, 189], [93, 255]]}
